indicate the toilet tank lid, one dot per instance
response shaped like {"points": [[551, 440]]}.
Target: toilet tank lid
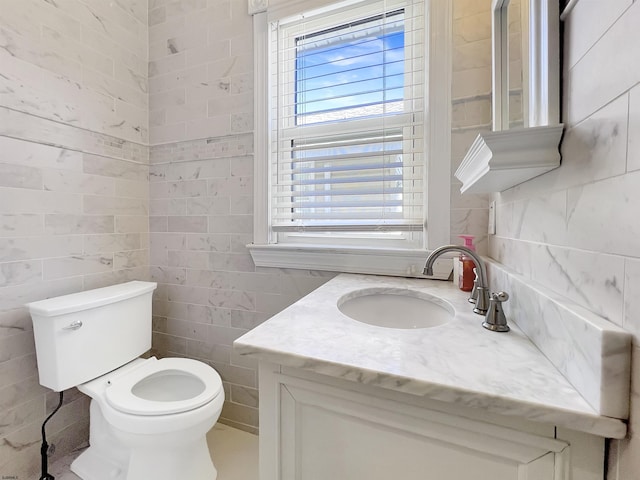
{"points": [[75, 302]]}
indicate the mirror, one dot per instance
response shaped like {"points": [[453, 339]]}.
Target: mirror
{"points": [[526, 99], [526, 63]]}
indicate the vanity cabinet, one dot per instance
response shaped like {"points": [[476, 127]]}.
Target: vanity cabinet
{"points": [[317, 427]]}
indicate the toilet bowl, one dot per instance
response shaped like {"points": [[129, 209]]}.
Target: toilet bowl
{"points": [[148, 417], [153, 416]]}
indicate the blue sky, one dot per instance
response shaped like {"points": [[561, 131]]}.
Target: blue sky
{"points": [[349, 72]]}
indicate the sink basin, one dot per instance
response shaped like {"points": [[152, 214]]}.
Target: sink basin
{"points": [[395, 308]]}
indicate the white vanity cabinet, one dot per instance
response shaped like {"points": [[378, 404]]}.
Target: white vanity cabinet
{"points": [[315, 427], [344, 400]]}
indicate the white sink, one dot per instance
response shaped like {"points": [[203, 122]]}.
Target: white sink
{"points": [[395, 308]]}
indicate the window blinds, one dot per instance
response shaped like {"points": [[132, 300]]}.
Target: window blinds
{"points": [[347, 143]]}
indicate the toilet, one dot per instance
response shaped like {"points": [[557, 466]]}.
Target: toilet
{"points": [[148, 417]]}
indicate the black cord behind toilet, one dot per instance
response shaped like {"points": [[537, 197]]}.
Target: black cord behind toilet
{"points": [[44, 449]]}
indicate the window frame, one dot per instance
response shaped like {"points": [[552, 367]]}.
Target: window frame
{"points": [[265, 250], [289, 32]]}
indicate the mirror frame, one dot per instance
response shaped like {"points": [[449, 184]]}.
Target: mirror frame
{"points": [[540, 63]]}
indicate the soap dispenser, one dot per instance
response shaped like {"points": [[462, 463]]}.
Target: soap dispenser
{"points": [[466, 266]]}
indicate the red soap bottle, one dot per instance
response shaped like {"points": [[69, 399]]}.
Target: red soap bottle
{"points": [[466, 266]]}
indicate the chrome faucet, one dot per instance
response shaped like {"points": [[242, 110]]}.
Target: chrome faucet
{"points": [[481, 285]]}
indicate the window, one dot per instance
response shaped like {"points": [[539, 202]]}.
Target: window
{"points": [[343, 106]]}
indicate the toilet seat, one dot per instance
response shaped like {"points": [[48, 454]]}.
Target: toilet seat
{"points": [[164, 387]]}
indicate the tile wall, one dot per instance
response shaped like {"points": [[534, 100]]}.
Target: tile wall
{"points": [[471, 111], [575, 229], [201, 127], [73, 189]]}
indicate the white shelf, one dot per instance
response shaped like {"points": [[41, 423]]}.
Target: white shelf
{"points": [[497, 161]]}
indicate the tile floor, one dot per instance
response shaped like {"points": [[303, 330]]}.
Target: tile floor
{"points": [[234, 452]]}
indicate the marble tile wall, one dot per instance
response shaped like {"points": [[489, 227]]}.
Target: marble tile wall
{"points": [[209, 291], [91, 53], [575, 228], [73, 189], [200, 69], [471, 110], [201, 195]]}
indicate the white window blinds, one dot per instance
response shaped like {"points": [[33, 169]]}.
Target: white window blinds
{"points": [[347, 143]]}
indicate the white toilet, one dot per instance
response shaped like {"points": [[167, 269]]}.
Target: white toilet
{"points": [[149, 418]]}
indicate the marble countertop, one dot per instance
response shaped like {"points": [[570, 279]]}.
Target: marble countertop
{"points": [[458, 362]]}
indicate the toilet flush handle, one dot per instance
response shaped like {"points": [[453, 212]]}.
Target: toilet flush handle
{"points": [[73, 326]]}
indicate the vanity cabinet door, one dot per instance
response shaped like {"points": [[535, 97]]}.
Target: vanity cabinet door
{"points": [[318, 432]]}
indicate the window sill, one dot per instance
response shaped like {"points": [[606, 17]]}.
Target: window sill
{"points": [[372, 261]]}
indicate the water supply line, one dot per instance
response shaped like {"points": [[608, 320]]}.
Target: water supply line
{"points": [[44, 449]]}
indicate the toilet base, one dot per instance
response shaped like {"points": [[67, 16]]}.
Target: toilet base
{"points": [[106, 458], [90, 465], [192, 462], [177, 457]]}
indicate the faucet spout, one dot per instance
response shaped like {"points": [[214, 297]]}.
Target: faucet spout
{"points": [[482, 303]]}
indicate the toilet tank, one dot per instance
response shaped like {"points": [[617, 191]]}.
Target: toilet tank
{"points": [[87, 334]]}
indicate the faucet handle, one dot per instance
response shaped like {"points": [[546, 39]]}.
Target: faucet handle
{"points": [[500, 296], [495, 319], [473, 298]]}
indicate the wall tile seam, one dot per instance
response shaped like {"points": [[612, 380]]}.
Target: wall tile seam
{"points": [[130, 14], [466, 128], [144, 199], [239, 389], [589, 115], [78, 405], [182, 337], [245, 405], [109, 157], [107, 137], [219, 155], [179, 162], [623, 321], [569, 19], [20, 446], [228, 384], [235, 423], [120, 9], [21, 428], [549, 192], [22, 358], [77, 235], [465, 209], [252, 429], [84, 256], [471, 98], [72, 149], [628, 125], [76, 276], [240, 403], [119, 45], [198, 141], [207, 139], [239, 407], [576, 301], [175, 147], [578, 123], [33, 402], [565, 247]]}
